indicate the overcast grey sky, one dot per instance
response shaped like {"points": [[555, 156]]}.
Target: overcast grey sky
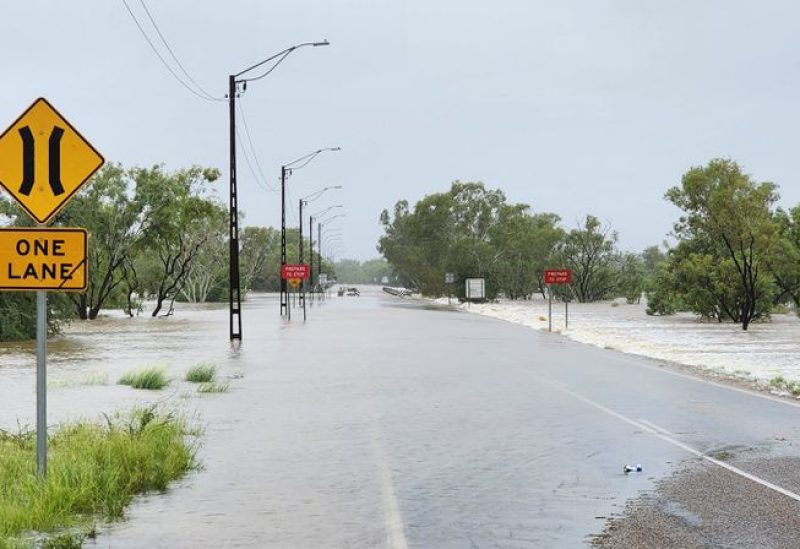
{"points": [[574, 107]]}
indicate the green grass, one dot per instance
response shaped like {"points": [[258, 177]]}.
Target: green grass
{"points": [[201, 373], [148, 378], [213, 387], [780, 383], [777, 382], [94, 470]]}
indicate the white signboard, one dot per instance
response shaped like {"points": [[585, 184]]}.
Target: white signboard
{"points": [[323, 279], [475, 288], [449, 278], [384, 280]]}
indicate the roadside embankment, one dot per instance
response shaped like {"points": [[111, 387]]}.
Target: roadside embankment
{"points": [[94, 471]]}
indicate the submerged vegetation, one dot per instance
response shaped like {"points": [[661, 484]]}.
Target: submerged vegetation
{"points": [[94, 471], [154, 378], [780, 383], [201, 373], [213, 387]]}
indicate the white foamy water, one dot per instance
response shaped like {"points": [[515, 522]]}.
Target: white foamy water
{"points": [[765, 350]]}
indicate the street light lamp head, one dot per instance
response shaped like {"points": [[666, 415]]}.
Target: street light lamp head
{"points": [[323, 43]]}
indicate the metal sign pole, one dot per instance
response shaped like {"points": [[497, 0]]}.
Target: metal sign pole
{"points": [[566, 313], [41, 383], [549, 308]]}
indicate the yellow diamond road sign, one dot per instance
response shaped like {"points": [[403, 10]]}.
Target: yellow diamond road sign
{"points": [[44, 160]]}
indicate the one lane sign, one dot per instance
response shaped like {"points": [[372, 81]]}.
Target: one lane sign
{"points": [[43, 259]]}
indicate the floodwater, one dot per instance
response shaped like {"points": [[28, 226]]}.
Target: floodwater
{"points": [[765, 350], [384, 422]]}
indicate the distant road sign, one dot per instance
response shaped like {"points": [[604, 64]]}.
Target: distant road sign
{"points": [[294, 282], [449, 278], [43, 259], [299, 270], [558, 276], [44, 161], [475, 288]]}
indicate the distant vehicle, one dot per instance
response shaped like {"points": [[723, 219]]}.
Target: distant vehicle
{"points": [[353, 291], [341, 291]]}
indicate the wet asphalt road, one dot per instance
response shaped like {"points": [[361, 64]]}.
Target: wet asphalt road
{"points": [[384, 422]]}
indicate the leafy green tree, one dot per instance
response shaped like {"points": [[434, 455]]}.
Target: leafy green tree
{"points": [[631, 277], [590, 251], [107, 210], [446, 232], [260, 247], [176, 212], [18, 314], [785, 262], [209, 270], [371, 271], [727, 237], [527, 243]]}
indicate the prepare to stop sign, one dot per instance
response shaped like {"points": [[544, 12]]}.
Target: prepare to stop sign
{"points": [[558, 276], [295, 270]]}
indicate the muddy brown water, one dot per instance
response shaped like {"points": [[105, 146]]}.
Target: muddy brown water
{"points": [[384, 422]]}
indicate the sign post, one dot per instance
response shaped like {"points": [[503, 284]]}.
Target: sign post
{"points": [[44, 161], [556, 276], [294, 273], [449, 278]]}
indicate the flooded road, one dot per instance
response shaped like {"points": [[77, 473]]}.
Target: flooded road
{"points": [[384, 422]]}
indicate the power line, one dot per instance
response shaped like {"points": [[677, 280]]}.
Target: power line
{"points": [[250, 165], [272, 68], [252, 147], [175, 57], [161, 58]]}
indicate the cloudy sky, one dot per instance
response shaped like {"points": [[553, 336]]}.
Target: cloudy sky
{"points": [[574, 107]]}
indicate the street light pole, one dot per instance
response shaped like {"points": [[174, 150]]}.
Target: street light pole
{"points": [[319, 239], [234, 295], [305, 200], [234, 282], [286, 171], [284, 288]]}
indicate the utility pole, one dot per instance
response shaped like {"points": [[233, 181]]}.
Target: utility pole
{"points": [[310, 253], [234, 287], [234, 295], [302, 281], [284, 286]]}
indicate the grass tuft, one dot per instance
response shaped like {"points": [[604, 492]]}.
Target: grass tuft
{"points": [[201, 373], [213, 387], [777, 382], [147, 378], [94, 471]]}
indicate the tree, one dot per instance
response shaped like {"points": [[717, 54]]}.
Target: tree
{"points": [[208, 272], [727, 237], [446, 232], [175, 216], [371, 271], [590, 252], [259, 256], [631, 277], [107, 210], [785, 262], [526, 243]]}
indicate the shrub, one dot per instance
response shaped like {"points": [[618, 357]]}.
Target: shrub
{"points": [[149, 378]]}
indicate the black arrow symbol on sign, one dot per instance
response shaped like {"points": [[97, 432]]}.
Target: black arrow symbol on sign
{"points": [[28, 152], [29, 156]]}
